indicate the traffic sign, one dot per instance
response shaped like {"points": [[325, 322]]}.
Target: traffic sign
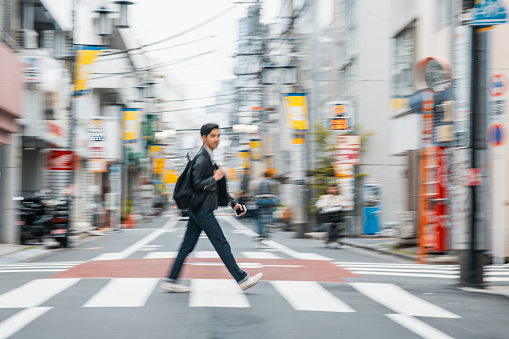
{"points": [[497, 85], [496, 134], [489, 13]]}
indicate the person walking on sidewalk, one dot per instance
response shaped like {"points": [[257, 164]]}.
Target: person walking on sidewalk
{"points": [[206, 176], [330, 207], [266, 197]]}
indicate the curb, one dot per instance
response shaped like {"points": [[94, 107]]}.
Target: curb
{"points": [[488, 290], [379, 250]]}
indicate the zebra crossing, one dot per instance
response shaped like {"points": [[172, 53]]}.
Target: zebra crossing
{"points": [[299, 295], [34, 299], [492, 273]]}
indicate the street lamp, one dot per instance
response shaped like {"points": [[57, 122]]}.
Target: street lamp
{"points": [[122, 23], [269, 73], [289, 74], [104, 27], [141, 89]]}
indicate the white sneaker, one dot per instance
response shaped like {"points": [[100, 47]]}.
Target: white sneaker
{"points": [[251, 281], [168, 286]]}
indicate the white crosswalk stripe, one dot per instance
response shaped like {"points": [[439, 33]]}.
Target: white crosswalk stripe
{"points": [[35, 292], [125, 292], [491, 272], [310, 296], [37, 267], [401, 301], [216, 293]]}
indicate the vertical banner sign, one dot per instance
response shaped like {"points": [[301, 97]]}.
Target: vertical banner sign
{"points": [[97, 145], [345, 157], [131, 125], [255, 148], [85, 57], [296, 109]]}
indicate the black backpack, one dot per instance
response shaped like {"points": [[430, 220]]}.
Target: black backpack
{"points": [[184, 194]]}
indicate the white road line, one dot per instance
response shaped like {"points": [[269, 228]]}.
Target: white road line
{"points": [[310, 296], [123, 292], [205, 254], [238, 225], [31, 271], [35, 292], [288, 251], [374, 265], [217, 293], [418, 327], [414, 275], [133, 248], [161, 255], [401, 270], [18, 321], [171, 223], [260, 255], [496, 279], [401, 301]]}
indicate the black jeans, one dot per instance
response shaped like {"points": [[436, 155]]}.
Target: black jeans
{"points": [[204, 220]]}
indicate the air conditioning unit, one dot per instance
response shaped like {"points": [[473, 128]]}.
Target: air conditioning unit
{"points": [[27, 38]]}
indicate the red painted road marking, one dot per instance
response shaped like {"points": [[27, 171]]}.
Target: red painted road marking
{"points": [[196, 268]]}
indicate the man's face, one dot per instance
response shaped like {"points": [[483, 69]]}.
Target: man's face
{"points": [[212, 139]]}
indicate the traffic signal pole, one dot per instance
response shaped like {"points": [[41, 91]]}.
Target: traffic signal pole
{"points": [[472, 259]]}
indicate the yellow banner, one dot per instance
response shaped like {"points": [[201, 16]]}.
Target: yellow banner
{"points": [[296, 109], [85, 57], [170, 177], [158, 166], [131, 125]]}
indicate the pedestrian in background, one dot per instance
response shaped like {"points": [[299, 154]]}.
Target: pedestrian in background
{"points": [[266, 197], [207, 177], [330, 208]]}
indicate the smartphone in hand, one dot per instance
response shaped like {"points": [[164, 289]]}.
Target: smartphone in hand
{"points": [[241, 210]]}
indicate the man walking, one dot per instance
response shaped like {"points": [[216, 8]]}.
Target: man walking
{"points": [[207, 177]]}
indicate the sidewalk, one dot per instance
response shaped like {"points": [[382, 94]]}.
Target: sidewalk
{"points": [[388, 246]]}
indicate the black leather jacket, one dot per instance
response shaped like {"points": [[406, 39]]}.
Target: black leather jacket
{"points": [[209, 193]]}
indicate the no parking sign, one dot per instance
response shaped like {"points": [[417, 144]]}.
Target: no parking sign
{"points": [[496, 134], [497, 85]]}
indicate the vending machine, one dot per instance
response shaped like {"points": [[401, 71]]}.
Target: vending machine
{"points": [[371, 203]]}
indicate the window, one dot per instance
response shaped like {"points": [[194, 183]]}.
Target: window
{"points": [[442, 13], [403, 63]]}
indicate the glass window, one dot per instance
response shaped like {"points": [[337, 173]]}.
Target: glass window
{"points": [[403, 62]]}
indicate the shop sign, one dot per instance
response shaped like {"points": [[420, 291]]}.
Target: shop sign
{"points": [[59, 160], [296, 109], [32, 69]]}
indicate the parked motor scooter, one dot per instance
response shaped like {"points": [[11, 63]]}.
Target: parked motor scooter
{"points": [[36, 220], [60, 220]]}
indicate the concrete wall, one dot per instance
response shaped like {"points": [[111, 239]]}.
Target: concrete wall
{"points": [[373, 106]]}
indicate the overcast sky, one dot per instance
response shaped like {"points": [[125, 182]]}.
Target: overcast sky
{"points": [[153, 20]]}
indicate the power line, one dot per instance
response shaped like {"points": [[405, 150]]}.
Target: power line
{"points": [[191, 108], [157, 49], [211, 97], [176, 35]]}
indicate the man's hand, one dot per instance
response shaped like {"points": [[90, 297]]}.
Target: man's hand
{"points": [[218, 174], [237, 207]]}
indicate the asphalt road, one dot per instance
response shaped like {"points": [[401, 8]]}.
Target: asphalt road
{"points": [[107, 287]]}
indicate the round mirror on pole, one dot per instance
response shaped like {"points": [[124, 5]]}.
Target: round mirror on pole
{"points": [[289, 74], [104, 25], [123, 20]]}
